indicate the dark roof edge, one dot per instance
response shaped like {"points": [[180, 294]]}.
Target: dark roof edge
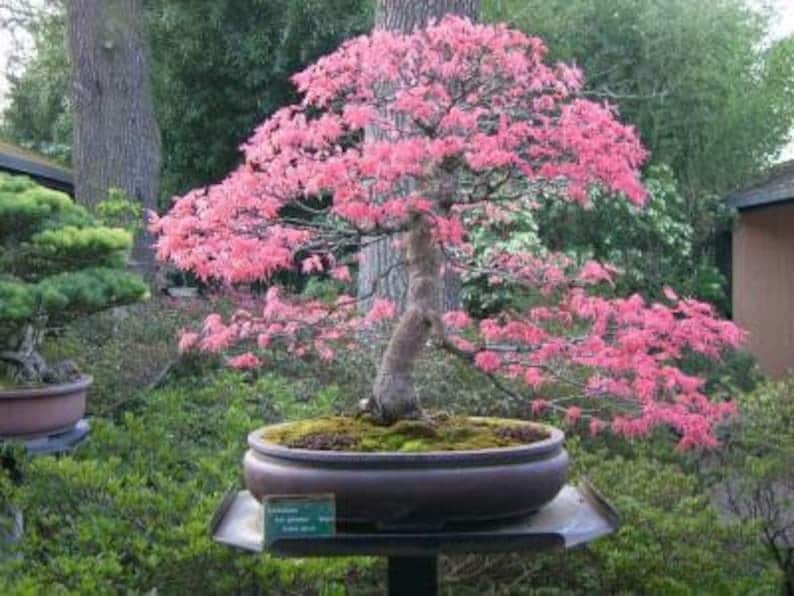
{"points": [[36, 169], [759, 199]]}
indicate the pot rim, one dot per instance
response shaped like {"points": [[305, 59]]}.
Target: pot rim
{"points": [[52, 390], [536, 450]]}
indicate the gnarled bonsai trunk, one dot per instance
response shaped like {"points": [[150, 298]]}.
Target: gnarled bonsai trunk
{"points": [[394, 394], [29, 366]]}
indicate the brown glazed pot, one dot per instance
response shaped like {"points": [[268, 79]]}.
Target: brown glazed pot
{"points": [[397, 490], [40, 411]]}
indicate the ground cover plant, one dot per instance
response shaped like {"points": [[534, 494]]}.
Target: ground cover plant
{"points": [[129, 512], [672, 541], [133, 502], [418, 138], [754, 471]]}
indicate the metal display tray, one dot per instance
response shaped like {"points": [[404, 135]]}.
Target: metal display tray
{"points": [[577, 515], [59, 442]]}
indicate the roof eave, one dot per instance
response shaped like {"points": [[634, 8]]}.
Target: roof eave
{"points": [[760, 199], [21, 165]]}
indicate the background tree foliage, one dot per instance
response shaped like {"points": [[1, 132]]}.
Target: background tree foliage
{"points": [[709, 94], [221, 67], [38, 115], [712, 98], [654, 246], [217, 68]]}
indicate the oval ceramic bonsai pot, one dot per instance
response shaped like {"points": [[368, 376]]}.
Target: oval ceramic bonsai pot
{"points": [[400, 490], [28, 412]]}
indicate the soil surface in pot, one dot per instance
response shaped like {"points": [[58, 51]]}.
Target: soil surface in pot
{"points": [[435, 432], [7, 383]]}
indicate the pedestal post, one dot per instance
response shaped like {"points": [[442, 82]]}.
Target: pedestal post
{"points": [[413, 576]]}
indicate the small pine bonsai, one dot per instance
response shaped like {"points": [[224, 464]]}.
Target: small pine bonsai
{"points": [[57, 262]]}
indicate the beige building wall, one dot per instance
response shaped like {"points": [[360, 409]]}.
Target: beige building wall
{"points": [[763, 284]]}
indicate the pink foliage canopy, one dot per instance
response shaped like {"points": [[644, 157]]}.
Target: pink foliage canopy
{"points": [[463, 123]]}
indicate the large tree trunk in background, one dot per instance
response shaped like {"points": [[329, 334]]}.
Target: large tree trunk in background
{"points": [[406, 15], [380, 276], [116, 136]]}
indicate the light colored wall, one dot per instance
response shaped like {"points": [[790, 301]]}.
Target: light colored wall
{"points": [[763, 284]]}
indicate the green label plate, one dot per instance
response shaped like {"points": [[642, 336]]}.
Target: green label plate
{"points": [[299, 516]]}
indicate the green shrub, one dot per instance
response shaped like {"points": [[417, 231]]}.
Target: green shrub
{"points": [[755, 471], [126, 350], [128, 512], [672, 541], [118, 210]]}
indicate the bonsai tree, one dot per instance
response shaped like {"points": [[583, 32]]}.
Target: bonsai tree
{"points": [[56, 263], [423, 138]]}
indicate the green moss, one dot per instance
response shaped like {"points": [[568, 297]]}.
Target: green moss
{"points": [[440, 432]]}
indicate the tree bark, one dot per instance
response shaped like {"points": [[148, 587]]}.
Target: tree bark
{"points": [[26, 363], [394, 393], [116, 136], [406, 15], [380, 274]]}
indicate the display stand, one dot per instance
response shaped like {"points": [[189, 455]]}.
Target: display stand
{"points": [[60, 442], [576, 516], [11, 520]]}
